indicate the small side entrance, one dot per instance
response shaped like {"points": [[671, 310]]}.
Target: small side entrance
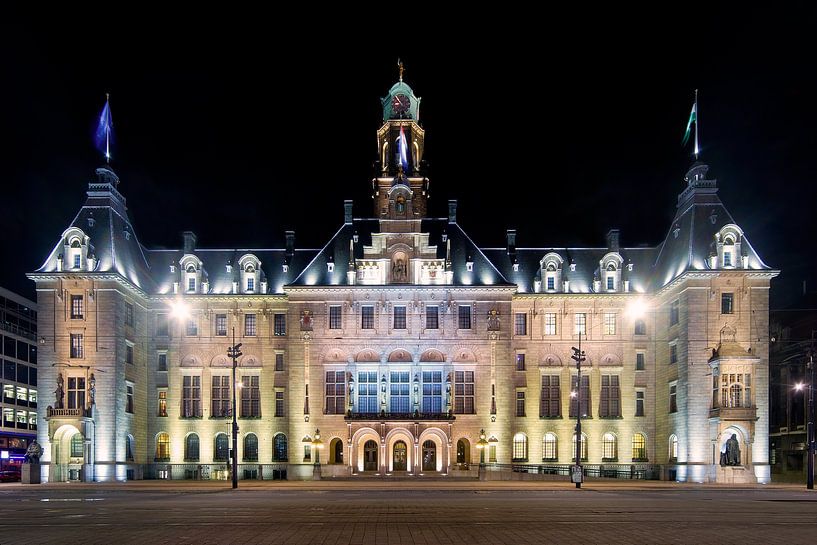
{"points": [[370, 456], [400, 456]]}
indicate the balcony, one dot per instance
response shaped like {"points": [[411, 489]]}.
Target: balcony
{"points": [[399, 416], [734, 413], [67, 412]]}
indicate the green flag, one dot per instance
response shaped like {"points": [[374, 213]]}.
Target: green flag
{"points": [[692, 118]]}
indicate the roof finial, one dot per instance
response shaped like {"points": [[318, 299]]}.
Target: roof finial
{"points": [[400, 68]]}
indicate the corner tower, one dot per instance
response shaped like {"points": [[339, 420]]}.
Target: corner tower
{"points": [[400, 188]]}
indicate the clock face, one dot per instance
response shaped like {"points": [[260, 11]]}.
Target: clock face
{"points": [[400, 103]]}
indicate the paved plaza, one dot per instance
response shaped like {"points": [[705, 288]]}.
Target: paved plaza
{"points": [[405, 512]]}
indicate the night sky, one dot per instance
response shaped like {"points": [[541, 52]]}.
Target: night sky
{"points": [[561, 126]]}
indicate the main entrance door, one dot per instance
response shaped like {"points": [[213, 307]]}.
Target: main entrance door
{"points": [[429, 456], [400, 457], [370, 456]]}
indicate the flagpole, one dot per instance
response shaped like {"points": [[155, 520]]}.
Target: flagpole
{"points": [[108, 132], [697, 121]]}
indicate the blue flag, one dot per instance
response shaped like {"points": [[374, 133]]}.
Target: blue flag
{"points": [[104, 132]]}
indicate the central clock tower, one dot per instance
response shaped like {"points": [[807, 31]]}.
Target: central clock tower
{"points": [[400, 188]]}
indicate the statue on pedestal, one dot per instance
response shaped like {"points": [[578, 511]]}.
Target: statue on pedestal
{"points": [[33, 453], [731, 456], [59, 392]]}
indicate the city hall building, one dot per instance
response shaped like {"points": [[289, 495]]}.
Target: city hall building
{"points": [[402, 347]]}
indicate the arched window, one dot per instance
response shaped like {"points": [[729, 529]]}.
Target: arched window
{"points": [[222, 449], [639, 447], [191, 448], [129, 448], [250, 447], [279, 448], [584, 447], [77, 444], [337, 453], [520, 447], [162, 447], [673, 447], [550, 450], [736, 390], [609, 448], [461, 452]]}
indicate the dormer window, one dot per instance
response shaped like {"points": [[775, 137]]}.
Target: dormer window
{"points": [[611, 265], [76, 253], [190, 272], [552, 271], [611, 277], [77, 261], [191, 284], [729, 240], [250, 268], [250, 284]]}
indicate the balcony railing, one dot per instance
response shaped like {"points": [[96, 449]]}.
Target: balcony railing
{"points": [[734, 413], [399, 416], [67, 412]]}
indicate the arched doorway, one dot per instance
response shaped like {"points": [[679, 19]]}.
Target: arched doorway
{"points": [[429, 456], [463, 453], [400, 456], [68, 454], [370, 456], [336, 451]]}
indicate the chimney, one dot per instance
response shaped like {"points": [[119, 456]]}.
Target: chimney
{"points": [[347, 212], [290, 248], [189, 242], [452, 211], [510, 237], [612, 240]]}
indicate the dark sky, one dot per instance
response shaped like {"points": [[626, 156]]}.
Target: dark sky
{"points": [[561, 125]]}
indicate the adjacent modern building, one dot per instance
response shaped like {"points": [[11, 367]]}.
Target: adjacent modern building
{"points": [[402, 347], [18, 351]]}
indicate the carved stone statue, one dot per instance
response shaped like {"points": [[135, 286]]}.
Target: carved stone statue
{"points": [[92, 388], [306, 320], [732, 451], [493, 320], [398, 270], [33, 453], [59, 392]]}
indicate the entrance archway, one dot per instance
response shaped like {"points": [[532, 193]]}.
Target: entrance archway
{"points": [[429, 456], [370, 456], [463, 453], [67, 454], [400, 456]]}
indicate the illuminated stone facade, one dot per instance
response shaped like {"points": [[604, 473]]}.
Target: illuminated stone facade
{"points": [[401, 340]]}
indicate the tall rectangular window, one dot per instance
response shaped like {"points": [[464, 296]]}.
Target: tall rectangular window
{"points": [[76, 392], [221, 325], [610, 403], [581, 324], [582, 393], [161, 325], [674, 312], [77, 259], [399, 392], [280, 325], [673, 353], [250, 284], [220, 396], [727, 259], [550, 323], [191, 283], [161, 364], [640, 327], [550, 405], [335, 402], [335, 317], [432, 392], [367, 392], [551, 283], [611, 282], [162, 409], [673, 402], [128, 314], [77, 345], [279, 403], [250, 397], [639, 403], [279, 361], [727, 303], [77, 307], [464, 392], [520, 403], [367, 317], [192, 328], [520, 362], [129, 354], [520, 323], [400, 317], [609, 323], [464, 321], [191, 396], [640, 363], [249, 325], [432, 317], [129, 402]]}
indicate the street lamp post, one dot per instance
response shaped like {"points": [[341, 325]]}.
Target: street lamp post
{"points": [[579, 357], [481, 445], [810, 425], [317, 445], [234, 352]]}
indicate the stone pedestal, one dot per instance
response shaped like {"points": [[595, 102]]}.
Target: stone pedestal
{"points": [[735, 475], [316, 472], [30, 474]]}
